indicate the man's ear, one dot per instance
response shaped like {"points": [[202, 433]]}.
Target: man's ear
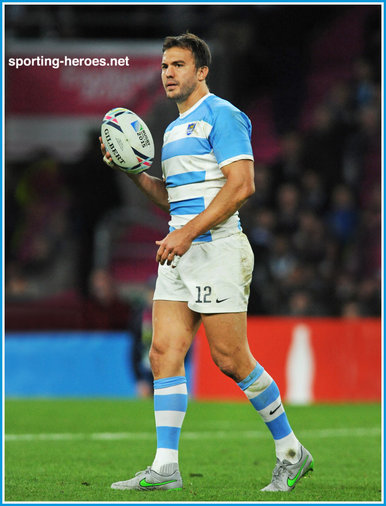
{"points": [[202, 73]]}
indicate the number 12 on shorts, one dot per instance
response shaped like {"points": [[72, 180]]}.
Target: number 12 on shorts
{"points": [[203, 294]]}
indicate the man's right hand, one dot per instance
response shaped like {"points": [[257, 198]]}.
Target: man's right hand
{"points": [[107, 157], [152, 187]]}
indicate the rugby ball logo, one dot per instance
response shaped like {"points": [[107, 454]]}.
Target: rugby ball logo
{"points": [[128, 139]]}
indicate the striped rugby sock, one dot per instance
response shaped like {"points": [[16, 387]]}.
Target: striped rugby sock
{"points": [[264, 395], [170, 404]]}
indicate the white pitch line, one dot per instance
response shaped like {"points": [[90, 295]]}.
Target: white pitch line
{"points": [[117, 436]]}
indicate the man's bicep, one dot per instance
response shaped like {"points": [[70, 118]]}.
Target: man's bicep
{"points": [[231, 136], [240, 170]]}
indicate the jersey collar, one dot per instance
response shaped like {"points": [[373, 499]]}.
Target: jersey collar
{"points": [[195, 105]]}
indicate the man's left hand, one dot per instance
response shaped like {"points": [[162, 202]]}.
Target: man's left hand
{"points": [[173, 246]]}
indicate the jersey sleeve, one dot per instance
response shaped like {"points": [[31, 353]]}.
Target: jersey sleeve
{"points": [[230, 136]]}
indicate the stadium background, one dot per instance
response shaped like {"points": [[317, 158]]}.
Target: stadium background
{"points": [[79, 239]]}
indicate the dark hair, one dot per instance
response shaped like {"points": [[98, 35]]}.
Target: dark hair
{"points": [[199, 47]]}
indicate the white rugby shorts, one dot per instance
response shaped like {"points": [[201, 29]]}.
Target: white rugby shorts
{"points": [[212, 277]]}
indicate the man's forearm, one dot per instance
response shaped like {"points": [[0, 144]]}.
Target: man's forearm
{"points": [[153, 188], [226, 203], [237, 189]]}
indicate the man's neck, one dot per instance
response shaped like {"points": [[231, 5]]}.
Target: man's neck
{"points": [[193, 98]]}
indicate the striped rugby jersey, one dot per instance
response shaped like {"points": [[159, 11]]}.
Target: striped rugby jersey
{"points": [[210, 135]]}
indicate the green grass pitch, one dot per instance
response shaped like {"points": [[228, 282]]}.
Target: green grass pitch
{"points": [[72, 450]]}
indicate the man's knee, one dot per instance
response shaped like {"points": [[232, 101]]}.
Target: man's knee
{"points": [[157, 353], [157, 358], [165, 358], [163, 348]]}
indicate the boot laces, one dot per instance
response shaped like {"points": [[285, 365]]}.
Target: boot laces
{"points": [[280, 469], [146, 471]]}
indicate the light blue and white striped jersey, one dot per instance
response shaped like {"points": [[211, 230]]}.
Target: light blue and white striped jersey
{"points": [[210, 135]]}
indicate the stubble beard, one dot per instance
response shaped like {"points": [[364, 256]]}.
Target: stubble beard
{"points": [[184, 94]]}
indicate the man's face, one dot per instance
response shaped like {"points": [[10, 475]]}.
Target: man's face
{"points": [[179, 74]]}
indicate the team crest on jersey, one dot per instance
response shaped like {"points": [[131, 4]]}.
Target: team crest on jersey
{"points": [[190, 128]]}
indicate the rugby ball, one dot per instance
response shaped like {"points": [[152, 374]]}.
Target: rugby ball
{"points": [[128, 140]]}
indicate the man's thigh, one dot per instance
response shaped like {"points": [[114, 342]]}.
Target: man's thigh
{"points": [[174, 327]]}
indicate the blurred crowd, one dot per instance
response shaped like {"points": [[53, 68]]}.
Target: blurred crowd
{"points": [[52, 213], [315, 219]]}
